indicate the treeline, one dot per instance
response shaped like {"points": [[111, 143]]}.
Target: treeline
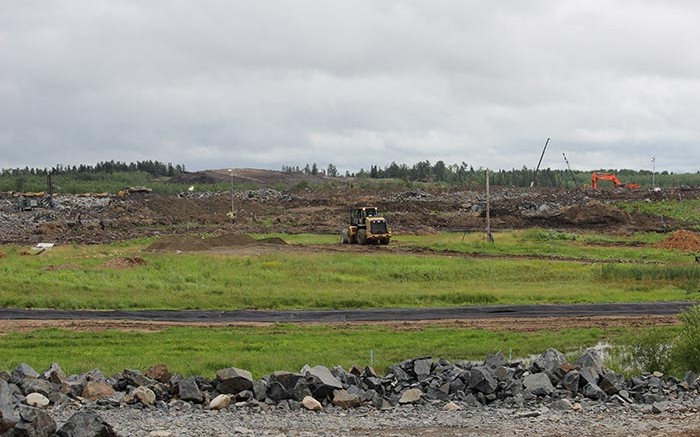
{"points": [[465, 174], [109, 176], [154, 168]]}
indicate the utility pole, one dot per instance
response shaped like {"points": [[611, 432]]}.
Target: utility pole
{"points": [[534, 177], [653, 172], [489, 237], [573, 176], [233, 211]]}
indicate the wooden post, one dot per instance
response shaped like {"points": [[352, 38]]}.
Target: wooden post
{"points": [[489, 237]]}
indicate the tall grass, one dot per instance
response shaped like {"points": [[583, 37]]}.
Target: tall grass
{"points": [[615, 272], [74, 277], [687, 210], [262, 350]]}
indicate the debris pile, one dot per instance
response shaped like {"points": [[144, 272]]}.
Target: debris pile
{"points": [[681, 240], [268, 195], [100, 218], [124, 263], [59, 267], [594, 213], [550, 381], [178, 243], [194, 244]]}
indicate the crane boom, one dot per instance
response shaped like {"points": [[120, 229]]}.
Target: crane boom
{"points": [[534, 177], [573, 176]]}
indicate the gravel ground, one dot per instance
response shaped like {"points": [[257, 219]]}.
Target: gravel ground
{"points": [[666, 419]]}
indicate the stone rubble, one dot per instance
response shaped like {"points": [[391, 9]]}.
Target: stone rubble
{"points": [[550, 387]]}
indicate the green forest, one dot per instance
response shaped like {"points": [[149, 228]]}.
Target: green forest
{"points": [[112, 176], [466, 175]]}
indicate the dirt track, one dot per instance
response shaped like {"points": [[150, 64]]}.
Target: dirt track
{"points": [[489, 324], [509, 318]]}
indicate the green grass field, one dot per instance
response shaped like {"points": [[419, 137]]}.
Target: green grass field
{"points": [[533, 266], [202, 351], [687, 210], [521, 268]]}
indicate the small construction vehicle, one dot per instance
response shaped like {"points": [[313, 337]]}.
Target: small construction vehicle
{"points": [[614, 179], [133, 190], [367, 226], [29, 201]]}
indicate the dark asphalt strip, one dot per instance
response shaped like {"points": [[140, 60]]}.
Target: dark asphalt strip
{"points": [[369, 315]]}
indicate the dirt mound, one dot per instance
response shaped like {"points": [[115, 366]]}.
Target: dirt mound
{"points": [[50, 228], [198, 177], [2, 255], [57, 267], [229, 240], [594, 213], [681, 240], [272, 240], [179, 243], [124, 263], [191, 244]]}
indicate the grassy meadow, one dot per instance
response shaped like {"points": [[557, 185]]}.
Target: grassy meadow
{"points": [[445, 269], [262, 350], [523, 267]]}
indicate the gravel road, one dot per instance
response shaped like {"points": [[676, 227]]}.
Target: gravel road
{"points": [[678, 418], [368, 315]]}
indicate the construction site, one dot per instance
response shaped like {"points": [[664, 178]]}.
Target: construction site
{"points": [[324, 209]]}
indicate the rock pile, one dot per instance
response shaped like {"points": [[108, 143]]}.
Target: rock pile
{"points": [[267, 195], [549, 381]]}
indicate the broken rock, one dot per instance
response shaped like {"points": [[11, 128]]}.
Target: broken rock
{"points": [[481, 379], [321, 380], [538, 384], [189, 391], [95, 390], [141, 394], [311, 404], [344, 399], [232, 380], [37, 400], [411, 396], [34, 422], [86, 424], [220, 402], [159, 372]]}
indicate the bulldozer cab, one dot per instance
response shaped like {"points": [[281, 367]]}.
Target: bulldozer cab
{"points": [[358, 215]]}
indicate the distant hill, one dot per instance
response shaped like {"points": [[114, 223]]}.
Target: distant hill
{"points": [[247, 176]]}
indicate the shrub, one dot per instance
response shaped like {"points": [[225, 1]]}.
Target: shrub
{"points": [[648, 350], [687, 351], [538, 234]]}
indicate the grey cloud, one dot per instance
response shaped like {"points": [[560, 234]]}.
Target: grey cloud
{"points": [[356, 83]]}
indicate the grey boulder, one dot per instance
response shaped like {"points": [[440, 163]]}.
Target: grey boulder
{"points": [[86, 424]]}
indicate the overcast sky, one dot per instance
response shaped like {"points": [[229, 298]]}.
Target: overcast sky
{"points": [[220, 83]]}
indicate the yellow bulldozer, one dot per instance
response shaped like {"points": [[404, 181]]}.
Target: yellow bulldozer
{"points": [[367, 226], [133, 190]]}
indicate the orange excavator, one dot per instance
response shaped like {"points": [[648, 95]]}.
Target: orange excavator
{"points": [[614, 179]]}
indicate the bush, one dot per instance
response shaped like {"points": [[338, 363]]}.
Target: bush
{"points": [[687, 350], [648, 350], [538, 234]]}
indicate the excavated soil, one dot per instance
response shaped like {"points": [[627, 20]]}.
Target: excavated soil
{"points": [[98, 219], [490, 324], [187, 243], [682, 240], [124, 263], [58, 267]]}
